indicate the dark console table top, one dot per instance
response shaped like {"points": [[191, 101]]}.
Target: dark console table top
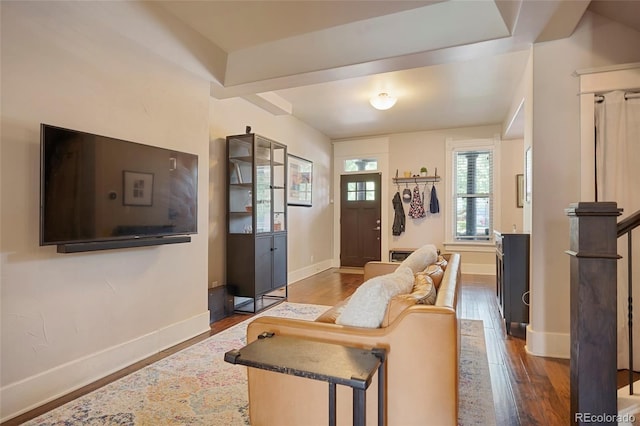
{"points": [[329, 362]]}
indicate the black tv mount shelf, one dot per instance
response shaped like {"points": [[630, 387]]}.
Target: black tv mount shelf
{"points": [[116, 244]]}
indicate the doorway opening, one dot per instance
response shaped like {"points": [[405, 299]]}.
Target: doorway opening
{"points": [[360, 219]]}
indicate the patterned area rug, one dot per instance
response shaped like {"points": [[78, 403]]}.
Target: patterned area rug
{"points": [[476, 397], [196, 387]]}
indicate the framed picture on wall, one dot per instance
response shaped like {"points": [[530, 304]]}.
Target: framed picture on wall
{"points": [[300, 181], [527, 175], [520, 191]]}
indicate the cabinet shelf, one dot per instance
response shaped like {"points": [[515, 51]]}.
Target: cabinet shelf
{"points": [[260, 161]]}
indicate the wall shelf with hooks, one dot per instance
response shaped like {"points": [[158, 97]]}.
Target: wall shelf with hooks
{"points": [[416, 179]]}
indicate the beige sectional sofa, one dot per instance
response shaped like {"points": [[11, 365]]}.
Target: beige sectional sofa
{"points": [[423, 350]]}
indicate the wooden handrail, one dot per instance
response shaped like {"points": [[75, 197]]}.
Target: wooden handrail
{"points": [[628, 223]]}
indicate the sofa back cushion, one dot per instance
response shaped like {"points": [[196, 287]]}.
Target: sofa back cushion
{"points": [[447, 293], [368, 304]]}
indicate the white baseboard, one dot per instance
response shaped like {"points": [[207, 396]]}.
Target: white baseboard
{"points": [[32, 392], [307, 271], [555, 345]]}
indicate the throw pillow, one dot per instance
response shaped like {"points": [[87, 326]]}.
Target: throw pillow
{"points": [[442, 262], [435, 272], [367, 305], [424, 290], [421, 258]]}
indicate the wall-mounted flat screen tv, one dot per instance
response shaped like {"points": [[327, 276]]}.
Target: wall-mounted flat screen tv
{"points": [[96, 188]]}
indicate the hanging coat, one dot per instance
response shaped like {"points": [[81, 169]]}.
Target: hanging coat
{"points": [[434, 204], [398, 218], [416, 210]]}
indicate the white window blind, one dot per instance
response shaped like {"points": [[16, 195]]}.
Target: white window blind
{"points": [[473, 201]]}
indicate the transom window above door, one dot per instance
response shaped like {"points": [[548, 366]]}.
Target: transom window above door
{"points": [[360, 164]]}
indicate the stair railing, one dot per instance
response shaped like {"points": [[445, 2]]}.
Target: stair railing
{"points": [[626, 227]]}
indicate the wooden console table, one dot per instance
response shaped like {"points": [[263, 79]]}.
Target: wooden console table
{"points": [[329, 362]]}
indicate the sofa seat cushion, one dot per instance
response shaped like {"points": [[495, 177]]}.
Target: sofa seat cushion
{"points": [[421, 258], [423, 293], [368, 304]]}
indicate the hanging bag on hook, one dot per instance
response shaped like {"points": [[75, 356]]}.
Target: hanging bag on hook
{"points": [[416, 211], [406, 195]]}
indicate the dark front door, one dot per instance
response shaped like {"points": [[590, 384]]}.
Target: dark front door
{"points": [[360, 223]]}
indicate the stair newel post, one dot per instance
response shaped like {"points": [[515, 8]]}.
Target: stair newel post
{"points": [[593, 293]]}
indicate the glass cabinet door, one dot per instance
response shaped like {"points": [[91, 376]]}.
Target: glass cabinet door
{"points": [[279, 187], [257, 185], [263, 185], [240, 185]]}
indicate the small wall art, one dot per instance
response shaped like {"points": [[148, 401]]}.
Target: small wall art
{"points": [[300, 181], [520, 190]]}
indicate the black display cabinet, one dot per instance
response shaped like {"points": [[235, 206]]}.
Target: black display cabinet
{"points": [[256, 222]]}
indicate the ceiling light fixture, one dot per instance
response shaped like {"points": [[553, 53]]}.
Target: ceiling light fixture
{"points": [[382, 101]]}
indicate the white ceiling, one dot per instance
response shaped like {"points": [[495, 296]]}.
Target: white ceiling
{"points": [[450, 63]]}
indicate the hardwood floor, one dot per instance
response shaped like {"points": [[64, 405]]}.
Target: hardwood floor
{"points": [[527, 390]]}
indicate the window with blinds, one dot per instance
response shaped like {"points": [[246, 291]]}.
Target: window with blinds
{"points": [[473, 198]]}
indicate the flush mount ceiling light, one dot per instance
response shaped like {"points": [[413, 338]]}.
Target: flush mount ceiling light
{"points": [[382, 101]]}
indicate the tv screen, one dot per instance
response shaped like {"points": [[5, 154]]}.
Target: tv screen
{"points": [[97, 188]]}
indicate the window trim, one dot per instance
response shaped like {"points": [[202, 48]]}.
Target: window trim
{"points": [[452, 146]]}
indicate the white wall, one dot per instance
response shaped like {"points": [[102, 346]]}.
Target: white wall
{"points": [[69, 319], [596, 42], [512, 164], [309, 234], [411, 151]]}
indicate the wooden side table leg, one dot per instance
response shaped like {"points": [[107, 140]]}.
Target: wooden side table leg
{"points": [[332, 404], [359, 407]]}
